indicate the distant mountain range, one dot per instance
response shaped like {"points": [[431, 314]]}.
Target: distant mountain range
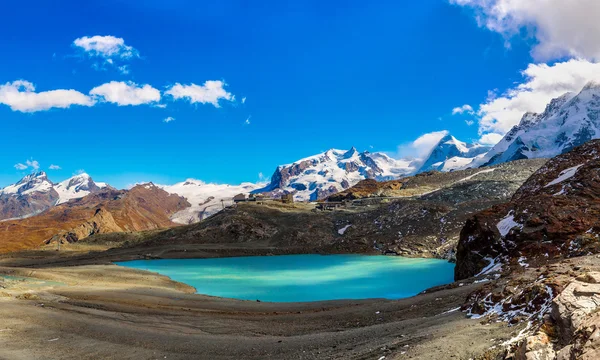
{"points": [[35, 193], [567, 122]]}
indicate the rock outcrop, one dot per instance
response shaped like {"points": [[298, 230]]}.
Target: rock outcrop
{"points": [[101, 223], [554, 215], [572, 329]]}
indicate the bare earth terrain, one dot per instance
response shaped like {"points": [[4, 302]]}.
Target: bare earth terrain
{"points": [[111, 312]]}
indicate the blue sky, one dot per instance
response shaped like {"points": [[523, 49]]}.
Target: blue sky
{"points": [[314, 75]]}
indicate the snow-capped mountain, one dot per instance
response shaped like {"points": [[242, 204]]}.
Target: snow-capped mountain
{"points": [[76, 187], [35, 182], [321, 175], [35, 193], [206, 199], [567, 122], [451, 154]]}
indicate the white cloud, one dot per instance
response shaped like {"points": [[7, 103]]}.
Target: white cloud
{"points": [[490, 139], [463, 109], [126, 93], [247, 122], [54, 167], [469, 122], [34, 164], [261, 177], [244, 100], [562, 28], [21, 96], [106, 47], [422, 146], [210, 93], [169, 119], [124, 69], [541, 84]]}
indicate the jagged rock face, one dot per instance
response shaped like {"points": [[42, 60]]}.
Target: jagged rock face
{"points": [[555, 214], [567, 122], [101, 223], [31, 195], [324, 174]]}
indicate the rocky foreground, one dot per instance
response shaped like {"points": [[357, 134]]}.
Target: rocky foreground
{"points": [[536, 250]]}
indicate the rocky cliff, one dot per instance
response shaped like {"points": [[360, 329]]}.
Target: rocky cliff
{"points": [[554, 215]]}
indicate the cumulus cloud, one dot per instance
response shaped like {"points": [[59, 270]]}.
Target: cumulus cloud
{"points": [[562, 28], [463, 109], [169, 119], [422, 146], [54, 167], [106, 47], [33, 164], [126, 93], [469, 122], [541, 84], [244, 100], [247, 122], [210, 93], [21, 96]]}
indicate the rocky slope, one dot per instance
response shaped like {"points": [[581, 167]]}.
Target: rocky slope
{"points": [[35, 193], [141, 208], [567, 122], [555, 214], [426, 224]]}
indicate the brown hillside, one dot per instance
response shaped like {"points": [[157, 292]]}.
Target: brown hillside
{"points": [[144, 207]]}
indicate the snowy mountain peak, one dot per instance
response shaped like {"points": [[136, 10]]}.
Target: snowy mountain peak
{"points": [[592, 85], [568, 121], [76, 187], [351, 153], [34, 182], [452, 154], [321, 175]]}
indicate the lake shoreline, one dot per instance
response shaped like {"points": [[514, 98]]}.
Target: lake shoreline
{"points": [[145, 315], [304, 278]]}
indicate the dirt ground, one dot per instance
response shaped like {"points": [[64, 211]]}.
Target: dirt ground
{"points": [[76, 311]]}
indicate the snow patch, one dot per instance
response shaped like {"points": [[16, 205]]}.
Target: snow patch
{"points": [[565, 175], [507, 224], [343, 230]]}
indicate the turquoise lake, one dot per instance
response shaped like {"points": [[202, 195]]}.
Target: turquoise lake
{"points": [[291, 278]]}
